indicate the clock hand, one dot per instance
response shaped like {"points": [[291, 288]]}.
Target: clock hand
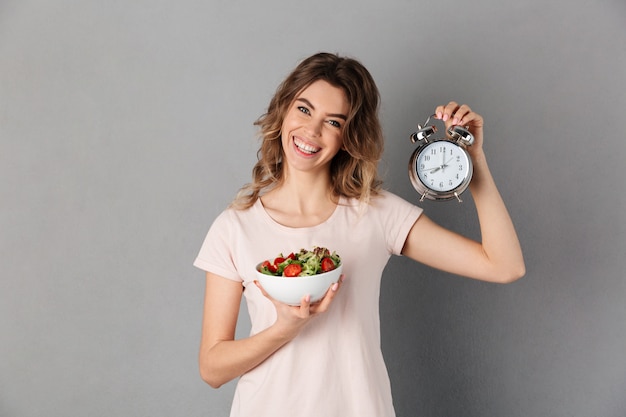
{"points": [[445, 164]]}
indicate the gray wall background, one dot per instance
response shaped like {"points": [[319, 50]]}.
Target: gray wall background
{"points": [[126, 127]]}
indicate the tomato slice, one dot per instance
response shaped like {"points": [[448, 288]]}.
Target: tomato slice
{"points": [[267, 265], [327, 264], [292, 270]]}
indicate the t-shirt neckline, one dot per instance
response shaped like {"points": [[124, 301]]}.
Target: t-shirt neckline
{"points": [[258, 205]]}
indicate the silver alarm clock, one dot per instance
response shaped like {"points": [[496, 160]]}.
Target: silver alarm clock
{"points": [[440, 169]]}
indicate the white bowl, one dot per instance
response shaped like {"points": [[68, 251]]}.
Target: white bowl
{"points": [[290, 290]]}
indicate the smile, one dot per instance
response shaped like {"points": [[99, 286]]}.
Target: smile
{"points": [[305, 147]]}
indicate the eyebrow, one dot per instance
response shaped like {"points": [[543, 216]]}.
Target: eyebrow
{"points": [[308, 103]]}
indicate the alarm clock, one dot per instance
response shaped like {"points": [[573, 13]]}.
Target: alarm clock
{"points": [[440, 169]]}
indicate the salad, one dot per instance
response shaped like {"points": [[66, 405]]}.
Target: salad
{"points": [[300, 264]]}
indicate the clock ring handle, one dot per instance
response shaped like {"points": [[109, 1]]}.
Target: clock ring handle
{"points": [[458, 134], [461, 135], [424, 131]]}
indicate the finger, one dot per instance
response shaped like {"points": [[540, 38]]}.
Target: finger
{"points": [[439, 112], [258, 284], [305, 305], [472, 118], [266, 295], [460, 114], [449, 110], [329, 296], [445, 112]]}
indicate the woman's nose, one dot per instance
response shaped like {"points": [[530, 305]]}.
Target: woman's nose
{"points": [[314, 127]]}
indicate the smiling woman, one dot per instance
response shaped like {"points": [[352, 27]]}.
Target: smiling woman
{"points": [[316, 184], [354, 170], [312, 130]]}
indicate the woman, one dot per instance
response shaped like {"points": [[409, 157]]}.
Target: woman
{"points": [[316, 184]]}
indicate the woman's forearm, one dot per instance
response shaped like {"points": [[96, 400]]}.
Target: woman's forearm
{"points": [[229, 359], [499, 238], [221, 357]]}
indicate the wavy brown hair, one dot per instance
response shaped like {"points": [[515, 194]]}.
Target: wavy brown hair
{"points": [[354, 170]]}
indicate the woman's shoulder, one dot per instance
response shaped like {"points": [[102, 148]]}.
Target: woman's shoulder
{"points": [[393, 207], [386, 198], [232, 215], [379, 196], [384, 203]]}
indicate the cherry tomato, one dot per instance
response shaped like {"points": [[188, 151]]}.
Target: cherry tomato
{"points": [[292, 270], [327, 265]]}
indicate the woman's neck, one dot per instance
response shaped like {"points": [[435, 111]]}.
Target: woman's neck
{"points": [[301, 202]]}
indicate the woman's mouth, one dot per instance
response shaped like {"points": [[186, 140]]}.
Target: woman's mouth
{"points": [[305, 147]]}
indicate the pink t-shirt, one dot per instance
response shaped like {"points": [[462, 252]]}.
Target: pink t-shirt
{"points": [[334, 367]]}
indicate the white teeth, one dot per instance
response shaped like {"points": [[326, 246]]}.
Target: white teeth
{"points": [[305, 147]]}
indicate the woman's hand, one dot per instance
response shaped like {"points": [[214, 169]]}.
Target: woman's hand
{"points": [[453, 114], [291, 319]]}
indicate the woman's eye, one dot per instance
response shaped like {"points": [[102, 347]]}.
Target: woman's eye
{"points": [[304, 110], [334, 123]]}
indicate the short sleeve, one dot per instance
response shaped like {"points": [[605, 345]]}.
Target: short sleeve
{"points": [[397, 217], [215, 254]]}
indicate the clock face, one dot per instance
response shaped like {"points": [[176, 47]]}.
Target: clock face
{"points": [[442, 166]]}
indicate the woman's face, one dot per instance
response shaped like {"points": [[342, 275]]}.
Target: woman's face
{"points": [[312, 128]]}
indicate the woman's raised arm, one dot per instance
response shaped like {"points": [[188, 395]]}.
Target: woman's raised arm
{"points": [[498, 257]]}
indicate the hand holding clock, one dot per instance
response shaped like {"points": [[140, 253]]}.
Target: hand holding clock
{"points": [[453, 114], [442, 181]]}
